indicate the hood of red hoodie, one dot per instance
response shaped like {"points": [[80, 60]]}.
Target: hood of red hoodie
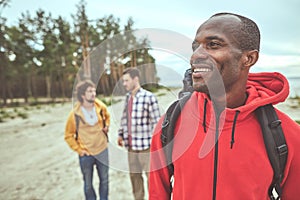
{"points": [[265, 88], [262, 89]]}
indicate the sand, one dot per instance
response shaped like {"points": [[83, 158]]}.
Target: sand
{"points": [[36, 163]]}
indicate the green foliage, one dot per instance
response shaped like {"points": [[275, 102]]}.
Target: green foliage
{"points": [[4, 3], [34, 103], [152, 87], [297, 99], [4, 114], [12, 114], [108, 101], [161, 94], [26, 108], [23, 115], [42, 54], [38, 107]]}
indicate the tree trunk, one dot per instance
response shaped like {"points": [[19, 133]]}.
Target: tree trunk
{"points": [[114, 76], [25, 92], [62, 85], [133, 59], [3, 89], [2, 78], [48, 86], [29, 83]]}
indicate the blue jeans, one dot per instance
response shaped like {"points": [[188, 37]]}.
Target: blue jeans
{"points": [[87, 167]]}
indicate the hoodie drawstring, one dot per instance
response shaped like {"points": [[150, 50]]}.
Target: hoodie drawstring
{"points": [[233, 128], [204, 116]]}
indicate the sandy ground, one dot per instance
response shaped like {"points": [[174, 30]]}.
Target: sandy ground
{"points": [[36, 163]]}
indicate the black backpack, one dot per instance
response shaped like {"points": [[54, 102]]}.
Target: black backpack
{"points": [[272, 133]]}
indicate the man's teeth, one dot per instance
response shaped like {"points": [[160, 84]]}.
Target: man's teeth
{"points": [[202, 70]]}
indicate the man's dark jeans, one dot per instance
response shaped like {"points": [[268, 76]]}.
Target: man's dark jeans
{"points": [[87, 165]]}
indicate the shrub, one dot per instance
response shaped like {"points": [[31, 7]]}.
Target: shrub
{"points": [[23, 115]]}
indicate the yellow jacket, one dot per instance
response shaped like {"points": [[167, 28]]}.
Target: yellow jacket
{"points": [[90, 138]]}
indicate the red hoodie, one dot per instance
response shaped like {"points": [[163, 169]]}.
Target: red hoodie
{"points": [[236, 166]]}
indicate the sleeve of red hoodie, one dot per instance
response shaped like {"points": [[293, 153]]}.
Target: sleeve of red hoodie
{"points": [[291, 182], [159, 180]]}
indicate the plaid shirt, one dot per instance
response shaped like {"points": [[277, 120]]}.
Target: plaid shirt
{"points": [[145, 114]]}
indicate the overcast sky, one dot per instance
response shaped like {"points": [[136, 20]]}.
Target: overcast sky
{"points": [[278, 21]]}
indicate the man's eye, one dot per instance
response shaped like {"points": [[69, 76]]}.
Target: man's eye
{"points": [[213, 44]]}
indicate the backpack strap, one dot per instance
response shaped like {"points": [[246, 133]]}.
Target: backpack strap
{"points": [[275, 145], [168, 126], [103, 118], [77, 120], [103, 122]]}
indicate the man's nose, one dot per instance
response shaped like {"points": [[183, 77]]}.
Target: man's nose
{"points": [[199, 53]]}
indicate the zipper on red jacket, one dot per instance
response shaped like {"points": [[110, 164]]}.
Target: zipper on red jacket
{"points": [[216, 159]]}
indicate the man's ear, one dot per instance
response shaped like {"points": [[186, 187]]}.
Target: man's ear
{"points": [[136, 79], [82, 97], [250, 58]]}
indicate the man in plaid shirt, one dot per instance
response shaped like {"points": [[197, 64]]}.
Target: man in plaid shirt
{"points": [[140, 115]]}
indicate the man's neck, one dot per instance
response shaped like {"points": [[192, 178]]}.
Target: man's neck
{"points": [[234, 101], [231, 101], [135, 90], [87, 105]]}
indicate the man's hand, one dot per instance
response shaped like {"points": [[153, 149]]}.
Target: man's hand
{"points": [[120, 141], [84, 153], [105, 129]]}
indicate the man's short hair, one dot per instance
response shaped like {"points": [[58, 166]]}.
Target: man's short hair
{"points": [[248, 35], [82, 87], [133, 72]]}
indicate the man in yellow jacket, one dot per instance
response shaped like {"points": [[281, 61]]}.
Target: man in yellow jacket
{"points": [[86, 133]]}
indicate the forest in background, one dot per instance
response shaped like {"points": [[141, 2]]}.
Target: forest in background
{"points": [[43, 56]]}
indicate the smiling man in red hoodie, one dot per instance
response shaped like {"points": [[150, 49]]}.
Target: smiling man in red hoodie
{"points": [[219, 152]]}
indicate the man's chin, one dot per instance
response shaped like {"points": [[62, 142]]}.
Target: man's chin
{"points": [[91, 101], [200, 88]]}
